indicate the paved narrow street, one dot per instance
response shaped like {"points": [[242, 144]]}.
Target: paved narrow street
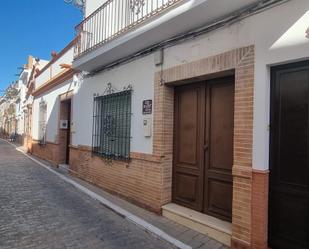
{"points": [[39, 210]]}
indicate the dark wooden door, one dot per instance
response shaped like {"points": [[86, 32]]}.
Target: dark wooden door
{"points": [[289, 150], [203, 147]]}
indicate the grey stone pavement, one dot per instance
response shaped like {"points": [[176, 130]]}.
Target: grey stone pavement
{"points": [[40, 210]]}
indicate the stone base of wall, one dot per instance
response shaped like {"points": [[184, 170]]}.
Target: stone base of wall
{"points": [[139, 181], [48, 151]]}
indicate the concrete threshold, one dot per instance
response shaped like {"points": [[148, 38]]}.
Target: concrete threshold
{"points": [[211, 226]]}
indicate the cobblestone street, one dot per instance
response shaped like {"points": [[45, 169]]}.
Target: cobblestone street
{"points": [[39, 210]]}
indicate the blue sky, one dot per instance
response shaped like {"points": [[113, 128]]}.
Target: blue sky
{"points": [[33, 27]]}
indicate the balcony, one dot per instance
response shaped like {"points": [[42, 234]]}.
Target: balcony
{"points": [[114, 18], [120, 28]]}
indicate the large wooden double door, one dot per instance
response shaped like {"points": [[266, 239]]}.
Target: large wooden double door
{"points": [[203, 147]]}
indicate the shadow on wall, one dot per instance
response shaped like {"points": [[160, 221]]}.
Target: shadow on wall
{"points": [[295, 34], [81, 116]]}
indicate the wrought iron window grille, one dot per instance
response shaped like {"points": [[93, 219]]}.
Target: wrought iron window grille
{"points": [[111, 131]]}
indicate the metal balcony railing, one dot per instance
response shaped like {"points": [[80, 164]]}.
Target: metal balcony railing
{"points": [[114, 18]]}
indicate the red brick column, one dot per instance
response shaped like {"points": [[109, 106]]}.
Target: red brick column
{"points": [[260, 182], [243, 137]]}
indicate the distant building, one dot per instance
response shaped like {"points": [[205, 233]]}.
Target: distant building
{"points": [[8, 108], [21, 101], [15, 101]]}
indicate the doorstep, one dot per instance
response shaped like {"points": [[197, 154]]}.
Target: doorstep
{"points": [[64, 166], [205, 224]]}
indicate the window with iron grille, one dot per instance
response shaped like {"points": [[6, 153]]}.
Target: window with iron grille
{"points": [[112, 125]]}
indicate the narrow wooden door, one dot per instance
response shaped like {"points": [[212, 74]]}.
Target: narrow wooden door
{"points": [[218, 183], [188, 163], [203, 147], [289, 163]]}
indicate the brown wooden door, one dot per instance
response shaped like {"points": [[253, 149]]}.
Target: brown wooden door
{"points": [[189, 146], [203, 147], [219, 155], [289, 151]]}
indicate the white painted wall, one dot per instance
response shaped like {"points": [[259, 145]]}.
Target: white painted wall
{"points": [[21, 106], [92, 5], [279, 37], [66, 58], [20, 115], [51, 97], [54, 68], [140, 74], [42, 78], [53, 107]]}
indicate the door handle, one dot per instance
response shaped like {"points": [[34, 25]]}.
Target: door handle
{"points": [[206, 147]]}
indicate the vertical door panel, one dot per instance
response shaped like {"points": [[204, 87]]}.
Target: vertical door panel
{"points": [[188, 146], [188, 117], [219, 155]]}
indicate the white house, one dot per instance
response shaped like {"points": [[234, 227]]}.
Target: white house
{"points": [[54, 86], [194, 108]]}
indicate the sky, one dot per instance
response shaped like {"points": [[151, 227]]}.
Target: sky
{"points": [[33, 27]]}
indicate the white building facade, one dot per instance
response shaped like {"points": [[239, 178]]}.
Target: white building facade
{"points": [[54, 86], [195, 109]]}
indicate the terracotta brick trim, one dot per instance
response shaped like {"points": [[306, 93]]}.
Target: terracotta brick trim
{"points": [[66, 96], [81, 147], [133, 155], [47, 142], [146, 157]]}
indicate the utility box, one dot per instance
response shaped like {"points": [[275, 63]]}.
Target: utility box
{"points": [[158, 57], [147, 123]]}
